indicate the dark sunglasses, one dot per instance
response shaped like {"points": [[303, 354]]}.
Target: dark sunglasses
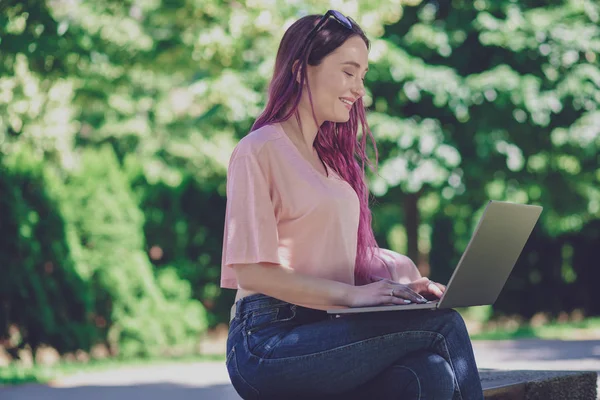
{"points": [[338, 16]]}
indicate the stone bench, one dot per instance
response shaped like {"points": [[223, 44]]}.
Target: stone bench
{"points": [[539, 385], [507, 385]]}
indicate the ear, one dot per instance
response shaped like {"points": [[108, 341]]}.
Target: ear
{"points": [[296, 70]]}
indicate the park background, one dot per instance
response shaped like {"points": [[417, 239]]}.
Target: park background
{"points": [[117, 120]]}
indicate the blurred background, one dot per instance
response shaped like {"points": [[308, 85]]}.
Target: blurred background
{"points": [[117, 120]]}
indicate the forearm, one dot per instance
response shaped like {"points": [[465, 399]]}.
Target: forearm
{"points": [[389, 264], [288, 285]]}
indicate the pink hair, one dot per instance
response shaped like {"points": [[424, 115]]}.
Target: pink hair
{"points": [[336, 143]]}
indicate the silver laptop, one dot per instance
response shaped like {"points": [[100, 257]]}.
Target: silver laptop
{"points": [[484, 267]]}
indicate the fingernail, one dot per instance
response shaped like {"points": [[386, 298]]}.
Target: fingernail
{"points": [[407, 301]]}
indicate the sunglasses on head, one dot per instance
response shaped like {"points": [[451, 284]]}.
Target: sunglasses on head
{"points": [[336, 15]]}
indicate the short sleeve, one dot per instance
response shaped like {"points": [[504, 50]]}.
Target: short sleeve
{"points": [[250, 225]]}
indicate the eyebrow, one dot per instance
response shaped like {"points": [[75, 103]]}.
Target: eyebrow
{"points": [[355, 64]]}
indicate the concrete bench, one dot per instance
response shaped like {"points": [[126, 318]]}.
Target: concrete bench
{"points": [[499, 385], [539, 385]]}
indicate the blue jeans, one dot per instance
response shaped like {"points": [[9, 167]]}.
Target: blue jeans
{"points": [[278, 350]]}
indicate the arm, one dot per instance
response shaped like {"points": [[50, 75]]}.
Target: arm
{"points": [[399, 268], [286, 284]]}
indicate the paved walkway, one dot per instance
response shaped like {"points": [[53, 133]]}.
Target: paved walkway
{"points": [[210, 381]]}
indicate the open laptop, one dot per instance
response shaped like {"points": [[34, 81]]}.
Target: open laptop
{"points": [[484, 267]]}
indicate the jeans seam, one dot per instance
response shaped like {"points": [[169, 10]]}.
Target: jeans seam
{"points": [[416, 377], [263, 311], [262, 308], [237, 368], [237, 329], [339, 348], [228, 358], [451, 364]]}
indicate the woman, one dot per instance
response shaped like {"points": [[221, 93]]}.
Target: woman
{"points": [[298, 240]]}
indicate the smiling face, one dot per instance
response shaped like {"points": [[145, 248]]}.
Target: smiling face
{"points": [[337, 82]]}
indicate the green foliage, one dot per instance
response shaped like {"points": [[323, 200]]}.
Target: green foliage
{"points": [[77, 271], [495, 100], [144, 315], [184, 229], [44, 293]]}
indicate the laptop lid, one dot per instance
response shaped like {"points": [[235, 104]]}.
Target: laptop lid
{"points": [[491, 254]]}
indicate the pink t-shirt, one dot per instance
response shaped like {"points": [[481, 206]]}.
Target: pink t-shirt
{"points": [[280, 209]]}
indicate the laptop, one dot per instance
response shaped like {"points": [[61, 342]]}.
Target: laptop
{"points": [[488, 260]]}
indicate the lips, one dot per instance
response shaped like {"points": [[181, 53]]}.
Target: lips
{"points": [[347, 102]]}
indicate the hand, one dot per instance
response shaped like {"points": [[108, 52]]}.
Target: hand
{"points": [[385, 292], [429, 289], [401, 269], [397, 267]]}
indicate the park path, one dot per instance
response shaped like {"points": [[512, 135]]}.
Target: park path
{"points": [[209, 380]]}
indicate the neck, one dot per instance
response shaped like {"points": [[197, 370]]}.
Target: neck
{"points": [[306, 136]]}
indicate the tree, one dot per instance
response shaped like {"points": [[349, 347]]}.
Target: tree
{"points": [[464, 92]]}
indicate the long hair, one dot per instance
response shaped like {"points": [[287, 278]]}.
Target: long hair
{"points": [[336, 143]]}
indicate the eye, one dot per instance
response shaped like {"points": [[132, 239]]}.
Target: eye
{"points": [[349, 74]]}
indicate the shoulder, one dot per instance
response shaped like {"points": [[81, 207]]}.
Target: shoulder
{"points": [[256, 143]]}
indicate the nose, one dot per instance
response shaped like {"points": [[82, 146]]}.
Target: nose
{"points": [[359, 91]]}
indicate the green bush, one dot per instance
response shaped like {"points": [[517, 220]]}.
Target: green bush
{"points": [[184, 226], [74, 268], [42, 291], [140, 317]]}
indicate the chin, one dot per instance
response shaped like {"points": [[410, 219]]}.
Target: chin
{"points": [[340, 119]]}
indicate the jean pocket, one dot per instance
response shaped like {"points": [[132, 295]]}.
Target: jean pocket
{"points": [[261, 319], [241, 386], [267, 329]]}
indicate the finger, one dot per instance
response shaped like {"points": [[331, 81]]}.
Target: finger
{"points": [[426, 287], [442, 287], [420, 286], [409, 294], [393, 300], [434, 289]]}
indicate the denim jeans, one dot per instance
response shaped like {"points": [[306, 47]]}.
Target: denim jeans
{"points": [[278, 350]]}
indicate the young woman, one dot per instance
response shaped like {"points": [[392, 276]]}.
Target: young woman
{"points": [[298, 240]]}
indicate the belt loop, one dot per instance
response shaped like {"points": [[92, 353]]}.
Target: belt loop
{"points": [[238, 308], [235, 310], [232, 313]]}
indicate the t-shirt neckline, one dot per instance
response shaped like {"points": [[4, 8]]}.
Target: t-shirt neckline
{"points": [[330, 173]]}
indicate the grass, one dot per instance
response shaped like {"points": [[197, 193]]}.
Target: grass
{"points": [[15, 374], [586, 329]]}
